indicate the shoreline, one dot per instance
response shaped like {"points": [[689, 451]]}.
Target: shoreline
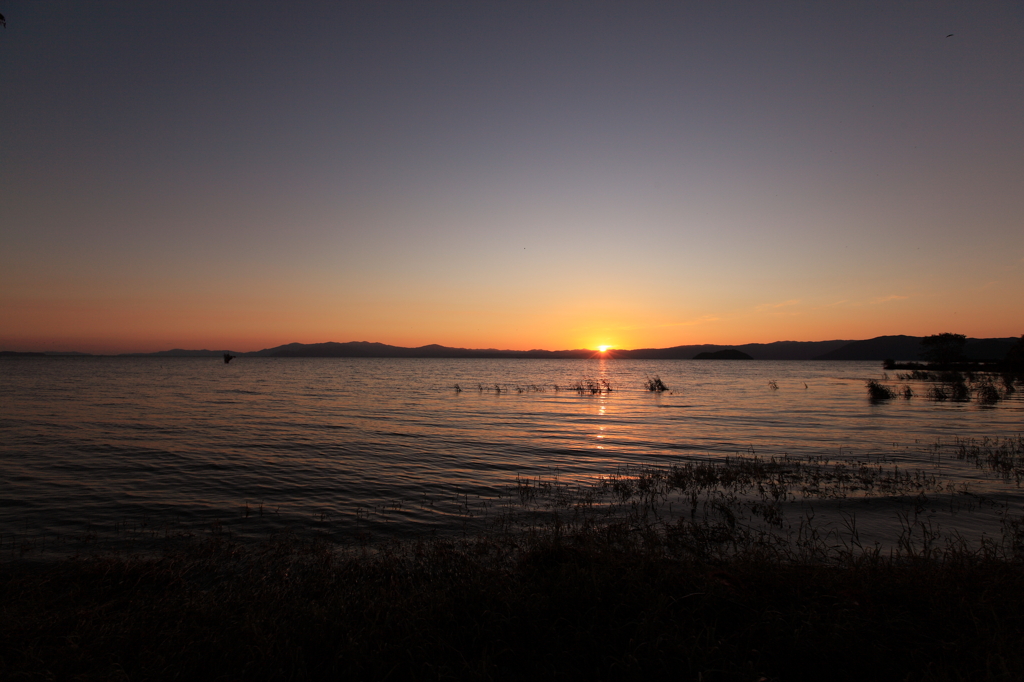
{"points": [[566, 585]]}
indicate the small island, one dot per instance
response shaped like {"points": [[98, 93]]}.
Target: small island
{"points": [[728, 354]]}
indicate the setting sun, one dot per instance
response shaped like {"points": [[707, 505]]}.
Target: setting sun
{"points": [[603, 349]]}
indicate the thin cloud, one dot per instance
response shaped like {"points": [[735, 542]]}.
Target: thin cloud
{"points": [[697, 320], [704, 319], [886, 299], [776, 306]]}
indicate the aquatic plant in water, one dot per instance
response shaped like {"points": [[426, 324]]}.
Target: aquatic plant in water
{"points": [[1003, 456], [878, 391], [586, 386], [655, 384], [987, 393]]}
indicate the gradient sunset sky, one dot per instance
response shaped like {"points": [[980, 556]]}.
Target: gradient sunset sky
{"points": [[508, 174]]}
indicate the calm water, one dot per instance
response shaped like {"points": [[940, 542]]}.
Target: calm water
{"points": [[390, 445]]}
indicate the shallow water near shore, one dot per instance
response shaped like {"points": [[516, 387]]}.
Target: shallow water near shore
{"points": [[101, 446]]}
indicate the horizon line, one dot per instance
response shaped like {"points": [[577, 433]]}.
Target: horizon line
{"points": [[600, 349]]}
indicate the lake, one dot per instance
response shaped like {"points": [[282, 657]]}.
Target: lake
{"points": [[94, 445]]}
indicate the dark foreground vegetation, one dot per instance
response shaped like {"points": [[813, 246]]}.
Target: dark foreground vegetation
{"points": [[597, 605], [570, 582]]}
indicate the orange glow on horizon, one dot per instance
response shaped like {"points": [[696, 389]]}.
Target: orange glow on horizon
{"points": [[149, 323]]}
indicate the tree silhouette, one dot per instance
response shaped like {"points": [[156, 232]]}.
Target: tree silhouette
{"points": [[1015, 356], [943, 348]]}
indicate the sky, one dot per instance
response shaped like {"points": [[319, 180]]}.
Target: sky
{"points": [[239, 175]]}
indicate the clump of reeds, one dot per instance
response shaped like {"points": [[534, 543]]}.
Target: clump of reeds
{"points": [[655, 384], [953, 387], [987, 393], [1004, 456], [988, 388], [959, 390], [586, 386], [509, 388], [879, 391]]}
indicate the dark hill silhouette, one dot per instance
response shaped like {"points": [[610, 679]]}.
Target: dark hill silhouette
{"points": [[728, 354], [789, 350], [365, 349], [879, 348], [780, 350], [908, 349], [901, 348], [991, 350]]}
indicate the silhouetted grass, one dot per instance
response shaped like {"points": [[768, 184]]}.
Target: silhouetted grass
{"points": [[507, 388], [573, 581], [953, 387], [655, 384], [587, 386], [987, 387], [877, 391], [1004, 456], [987, 393], [959, 391], [600, 603]]}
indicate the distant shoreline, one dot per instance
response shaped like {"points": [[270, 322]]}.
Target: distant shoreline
{"points": [[905, 349]]}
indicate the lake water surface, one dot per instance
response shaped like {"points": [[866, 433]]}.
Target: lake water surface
{"points": [[390, 446]]}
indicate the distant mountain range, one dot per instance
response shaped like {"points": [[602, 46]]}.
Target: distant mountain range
{"points": [[780, 350], [899, 348], [908, 348]]}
